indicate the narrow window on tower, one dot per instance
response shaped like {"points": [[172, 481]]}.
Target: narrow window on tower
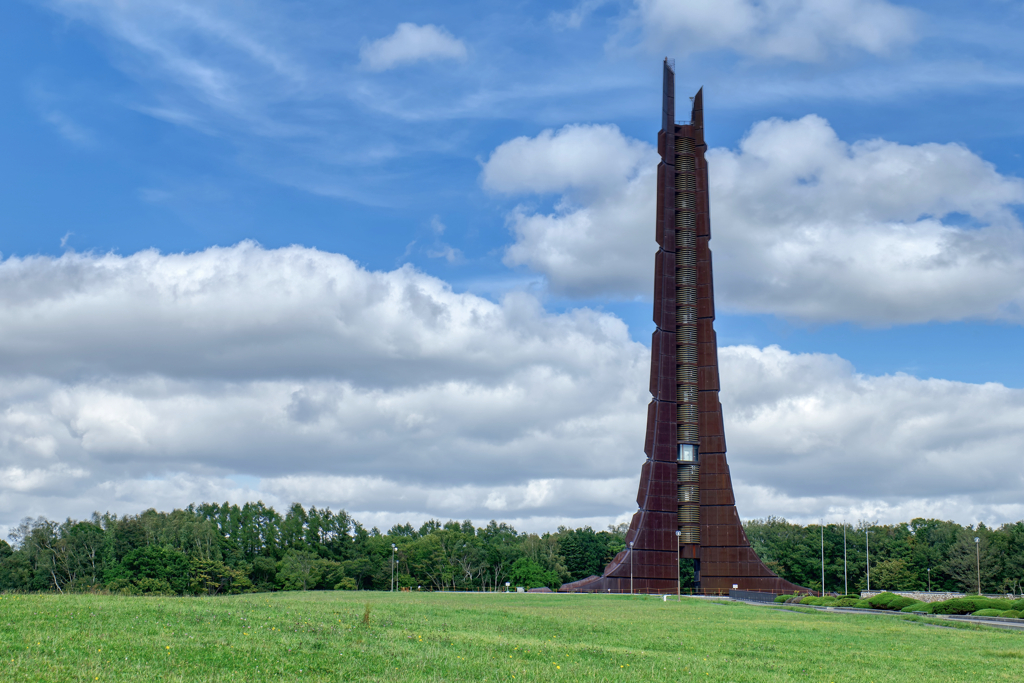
{"points": [[687, 452]]}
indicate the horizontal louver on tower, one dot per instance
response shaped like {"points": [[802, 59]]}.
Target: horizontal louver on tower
{"points": [[686, 374], [686, 412], [686, 354], [685, 238], [686, 334], [686, 183], [686, 277], [689, 514], [688, 433], [689, 473], [689, 493], [686, 393]]}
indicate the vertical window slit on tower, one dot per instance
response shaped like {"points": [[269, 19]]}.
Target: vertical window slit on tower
{"points": [[687, 412]]}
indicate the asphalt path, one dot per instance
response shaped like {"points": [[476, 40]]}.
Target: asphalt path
{"points": [[994, 622]]}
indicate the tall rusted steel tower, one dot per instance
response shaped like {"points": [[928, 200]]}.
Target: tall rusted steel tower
{"points": [[687, 506]]}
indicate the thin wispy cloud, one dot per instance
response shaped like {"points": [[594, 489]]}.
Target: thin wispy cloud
{"points": [[799, 30], [70, 130]]}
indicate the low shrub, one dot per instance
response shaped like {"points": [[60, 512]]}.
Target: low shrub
{"points": [[794, 599], [969, 605], [1017, 605], [847, 602], [782, 598], [854, 596], [882, 600], [1010, 614], [900, 602], [987, 613], [954, 606], [811, 600], [1002, 604], [916, 606], [863, 604], [829, 602]]}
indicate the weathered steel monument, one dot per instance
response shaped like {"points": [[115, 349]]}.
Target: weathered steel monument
{"points": [[687, 506]]}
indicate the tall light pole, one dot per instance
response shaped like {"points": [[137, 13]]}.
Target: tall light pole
{"points": [[929, 579], [393, 549], [846, 580], [867, 561], [977, 548], [631, 567], [679, 578], [823, 557]]}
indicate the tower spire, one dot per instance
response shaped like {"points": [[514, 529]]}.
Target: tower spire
{"points": [[686, 503]]}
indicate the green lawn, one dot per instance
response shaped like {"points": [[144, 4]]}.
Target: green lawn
{"points": [[458, 637]]}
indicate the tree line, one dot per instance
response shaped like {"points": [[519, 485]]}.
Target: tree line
{"points": [[905, 556], [211, 548]]}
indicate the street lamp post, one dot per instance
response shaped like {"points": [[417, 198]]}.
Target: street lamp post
{"points": [[823, 557], [977, 548], [679, 578], [929, 579], [867, 561], [846, 580], [631, 567], [393, 549]]}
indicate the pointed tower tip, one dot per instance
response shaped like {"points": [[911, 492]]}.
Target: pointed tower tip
{"points": [[668, 95], [697, 116]]}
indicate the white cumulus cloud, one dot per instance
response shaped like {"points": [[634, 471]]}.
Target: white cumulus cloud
{"points": [[804, 224], [243, 373], [411, 43], [601, 228], [295, 365], [809, 436]]}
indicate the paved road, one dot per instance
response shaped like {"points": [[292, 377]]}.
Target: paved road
{"points": [[1008, 624]]}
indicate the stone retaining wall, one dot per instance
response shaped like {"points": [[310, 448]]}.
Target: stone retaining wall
{"points": [[933, 596]]}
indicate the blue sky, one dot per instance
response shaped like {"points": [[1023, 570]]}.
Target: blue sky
{"points": [[866, 165]]}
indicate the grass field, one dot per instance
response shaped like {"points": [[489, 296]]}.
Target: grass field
{"points": [[466, 637]]}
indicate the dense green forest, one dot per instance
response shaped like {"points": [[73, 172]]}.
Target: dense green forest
{"points": [[903, 556], [211, 548]]}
